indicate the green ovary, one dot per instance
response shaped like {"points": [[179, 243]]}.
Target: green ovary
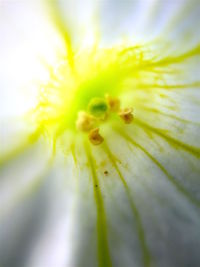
{"points": [[98, 107]]}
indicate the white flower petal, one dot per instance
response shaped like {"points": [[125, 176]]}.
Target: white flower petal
{"points": [[134, 200], [22, 175], [53, 243]]}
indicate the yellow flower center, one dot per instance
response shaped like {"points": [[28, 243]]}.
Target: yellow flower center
{"points": [[84, 97]]}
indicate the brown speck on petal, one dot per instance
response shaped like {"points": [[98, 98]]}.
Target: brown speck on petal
{"points": [[106, 173]]}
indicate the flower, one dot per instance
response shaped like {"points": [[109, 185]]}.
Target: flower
{"points": [[100, 135]]}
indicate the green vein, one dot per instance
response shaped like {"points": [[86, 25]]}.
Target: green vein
{"points": [[169, 86], [184, 13], [56, 14], [72, 148], [177, 185], [191, 149], [157, 112], [195, 51], [141, 234], [9, 156], [30, 189], [169, 60], [103, 249]]}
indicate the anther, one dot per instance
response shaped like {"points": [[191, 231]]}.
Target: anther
{"points": [[85, 121], [94, 137], [126, 115], [113, 103]]}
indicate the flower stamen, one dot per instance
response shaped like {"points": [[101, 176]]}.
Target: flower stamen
{"points": [[94, 137], [98, 112], [126, 115], [113, 103], [85, 121]]}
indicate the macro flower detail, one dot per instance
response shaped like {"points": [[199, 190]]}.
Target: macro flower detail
{"points": [[99, 129]]}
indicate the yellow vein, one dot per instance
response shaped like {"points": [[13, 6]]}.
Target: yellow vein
{"points": [[58, 19], [193, 150], [103, 249], [141, 234], [168, 86], [176, 59], [31, 188], [30, 140], [157, 111], [177, 185]]}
